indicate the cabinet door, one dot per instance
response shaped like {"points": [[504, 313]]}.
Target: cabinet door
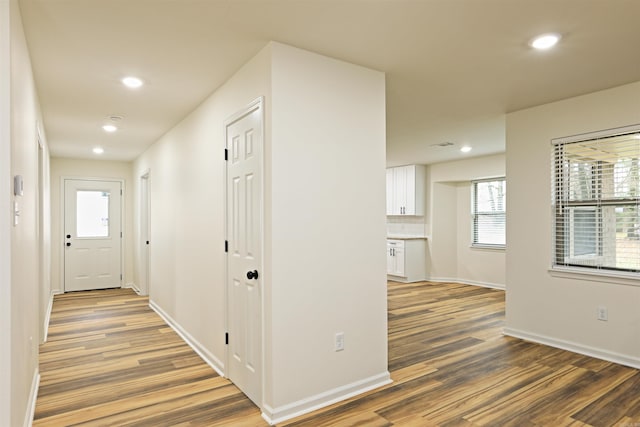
{"points": [[391, 261], [409, 190], [391, 193], [398, 262], [400, 189], [405, 190]]}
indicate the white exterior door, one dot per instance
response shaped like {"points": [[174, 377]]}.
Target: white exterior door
{"points": [[244, 258], [92, 234]]}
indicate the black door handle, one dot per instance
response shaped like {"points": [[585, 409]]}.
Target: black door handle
{"points": [[252, 274], [68, 236], [68, 243]]}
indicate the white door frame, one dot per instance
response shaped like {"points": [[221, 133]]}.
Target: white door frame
{"points": [[60, 240], [145, 232], [244, 111]]}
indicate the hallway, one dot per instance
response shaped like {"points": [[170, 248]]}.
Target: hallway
{"points": [[110, 360]]}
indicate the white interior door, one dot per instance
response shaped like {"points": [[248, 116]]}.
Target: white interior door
{"points": [[244, 258], [92, 234], [144, 234]]}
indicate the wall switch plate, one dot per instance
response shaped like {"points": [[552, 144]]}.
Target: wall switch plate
{"points": [[339, 341], [603, 313]]}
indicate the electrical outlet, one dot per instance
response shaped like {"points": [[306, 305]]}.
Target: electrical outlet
{"points": [[339, 341], [603, 313]]}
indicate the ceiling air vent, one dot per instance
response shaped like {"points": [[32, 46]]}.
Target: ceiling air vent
{"points": [[443, 144]]}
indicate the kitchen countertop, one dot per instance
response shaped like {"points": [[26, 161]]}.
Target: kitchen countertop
{"points": [[405, 237]]}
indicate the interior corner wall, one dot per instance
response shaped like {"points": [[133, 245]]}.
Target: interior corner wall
{"points": [[24, 299], [187, 175], [327, 230], [450, 256], [87, 168], [554, 310], [5, 217]]}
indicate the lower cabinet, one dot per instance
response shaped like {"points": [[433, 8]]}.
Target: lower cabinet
{"points": [[395, 257], [406, 260]]}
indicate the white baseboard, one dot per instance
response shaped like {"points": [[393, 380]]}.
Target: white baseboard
{"points": [[205, 354], [47, 315], [609, 356], [467, 282], [133, 286], [304, 406], [33, 395]]}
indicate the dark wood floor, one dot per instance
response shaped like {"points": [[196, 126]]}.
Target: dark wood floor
{"points": [[110, 360]]}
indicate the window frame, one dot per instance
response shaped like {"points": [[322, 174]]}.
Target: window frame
{"points": [[475, 215], [560, 185]]}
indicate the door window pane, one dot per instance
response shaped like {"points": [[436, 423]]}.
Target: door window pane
{"points": [[92, 214]]}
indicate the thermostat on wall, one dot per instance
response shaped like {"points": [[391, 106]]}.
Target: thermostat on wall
{"points": [[17, 185]]}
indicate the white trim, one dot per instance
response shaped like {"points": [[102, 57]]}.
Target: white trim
{"points": [[321, 400], [33, 396], [596, 135], [612, 277], [467, 282], [205, 354], [481, 246], [133, 286], [47, 314], [598, 353]]}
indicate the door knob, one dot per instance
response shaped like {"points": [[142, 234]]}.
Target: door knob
{"points": [[68, 236], [252, 274], [68, 243]]}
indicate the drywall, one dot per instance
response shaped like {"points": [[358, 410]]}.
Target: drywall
{"points": [[5, 216], [82, 168], [186, 169], [447, 223], [25, 288], [327, 236], [323, 154], [559, 310]]}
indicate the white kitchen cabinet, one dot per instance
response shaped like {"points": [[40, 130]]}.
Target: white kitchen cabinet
{"points": [[395, 257], [405, 190], [406, 259]]}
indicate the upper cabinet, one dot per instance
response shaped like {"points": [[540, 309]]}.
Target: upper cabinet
{"points": [[405, 190]]}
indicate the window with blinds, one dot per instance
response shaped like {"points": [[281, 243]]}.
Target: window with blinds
{"points": [[596, 194], [489, 213]]}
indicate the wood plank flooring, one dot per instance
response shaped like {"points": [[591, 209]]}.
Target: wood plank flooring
{"points": [[110, 360]]}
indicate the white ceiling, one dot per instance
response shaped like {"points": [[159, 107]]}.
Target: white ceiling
{"points": [[453, 67]]}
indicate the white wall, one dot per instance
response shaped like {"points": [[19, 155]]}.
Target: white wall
{"points": [[323, 271], [555, 310], [451, 256], [327, 219], [82, 168], [447, 223], [5, 217], [23, 313], [186, 168]]}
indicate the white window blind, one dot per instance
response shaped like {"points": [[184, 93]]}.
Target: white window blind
{"points": [[596, 194], [489, 213]]}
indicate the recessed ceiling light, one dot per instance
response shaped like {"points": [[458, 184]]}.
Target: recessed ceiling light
{"points": [[465, 149], [109, 128], [545, 41], [98, 150], [132, 82]]}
